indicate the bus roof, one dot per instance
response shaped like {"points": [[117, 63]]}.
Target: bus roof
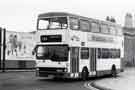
{"points": [[52, 14], [49, 14]]}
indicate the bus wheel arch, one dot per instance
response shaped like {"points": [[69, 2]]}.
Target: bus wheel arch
{"points": [[84, 73], [114, 70]]}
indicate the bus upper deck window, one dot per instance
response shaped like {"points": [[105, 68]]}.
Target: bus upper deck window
{"points": [[52, 23], [112, 30], [84, 25], [104, 29], [43, 24], [119, 31], [74, 24], [94, 27]]}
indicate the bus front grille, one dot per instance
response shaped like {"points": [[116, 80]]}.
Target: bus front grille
{"points": [[50, 69]]}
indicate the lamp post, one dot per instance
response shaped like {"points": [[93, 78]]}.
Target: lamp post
{"points": [[0, 48]]}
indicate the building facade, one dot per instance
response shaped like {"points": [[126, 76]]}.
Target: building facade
{"points": [[129, 46], [128, 20], [129, 40]]}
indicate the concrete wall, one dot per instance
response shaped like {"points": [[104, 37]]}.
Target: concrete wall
{"points": [[19, 64]]}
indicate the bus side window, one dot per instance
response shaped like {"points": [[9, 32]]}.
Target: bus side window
{"points": [[104, 29], [99, 53], [112, 30], [108, 53], [105, 53], [74, 23], [95, 27], [119, 31], [84, 25], [115, 53], [84, 53], [118, 53]]}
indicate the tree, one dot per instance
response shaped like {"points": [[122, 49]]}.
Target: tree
{"points": [[110, 19], [113, 20], [107, 18]]}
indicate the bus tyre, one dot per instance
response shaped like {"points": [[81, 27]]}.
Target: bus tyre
{"points": [[85, 74], [113, 71]]}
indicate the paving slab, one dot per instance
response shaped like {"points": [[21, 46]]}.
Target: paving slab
{"points": [[124, 81]]}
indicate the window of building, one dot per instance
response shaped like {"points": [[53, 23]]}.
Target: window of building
{"points": [[84, 25], [84, 53], [94, 27], [74, 23]]}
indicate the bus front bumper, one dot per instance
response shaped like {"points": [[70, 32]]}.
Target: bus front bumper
{"points": [[50, 73]]}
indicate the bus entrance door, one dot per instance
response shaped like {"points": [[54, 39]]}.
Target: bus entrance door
{"points": [[74, 60], [92, 62]]}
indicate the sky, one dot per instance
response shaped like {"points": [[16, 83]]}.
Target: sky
{"points": [[21, 15]]}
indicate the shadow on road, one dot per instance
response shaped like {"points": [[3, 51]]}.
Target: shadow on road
{"points": [[65, 80], [59, 80]]}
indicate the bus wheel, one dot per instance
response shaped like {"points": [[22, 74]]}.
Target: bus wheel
{"points": [[113, 71], [85, 74]]}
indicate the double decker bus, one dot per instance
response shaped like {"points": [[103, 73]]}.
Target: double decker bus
{"points": [[73, 46]]}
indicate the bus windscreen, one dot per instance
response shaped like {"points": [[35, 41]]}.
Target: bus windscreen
{"points": [[54, 53], [52, 23]]}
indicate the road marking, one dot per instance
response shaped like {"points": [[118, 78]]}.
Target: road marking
{"points": [[88, 85]]}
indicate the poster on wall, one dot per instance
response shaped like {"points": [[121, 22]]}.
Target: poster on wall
{"points": [[19, 45]]}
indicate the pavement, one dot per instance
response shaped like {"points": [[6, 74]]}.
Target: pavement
{"points": [[124, 81], [18, 70]]}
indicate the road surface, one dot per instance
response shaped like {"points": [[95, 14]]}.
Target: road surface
{"points": [[28, 81]]}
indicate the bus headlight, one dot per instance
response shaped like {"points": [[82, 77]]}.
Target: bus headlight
{"points": [[67, 65], [59, 70], [37, 69], [65, 70]]}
